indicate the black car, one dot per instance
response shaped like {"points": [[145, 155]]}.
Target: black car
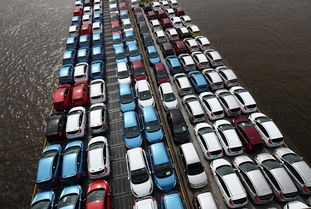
{"points": [[140, 17], [143, 27], [167, 49], [178, 126], [55, 128], [147, 39], [147, 7], [183, 32]]}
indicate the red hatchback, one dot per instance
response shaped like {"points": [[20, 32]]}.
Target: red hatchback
{"points": [[86, 29], [151, 15], [179, 47], [98, 195], [166, 23], [161, 14], [116, 28], [77, 12], [61, 97], [248, 134], [138, 70], [179, 11], [80, 94], [161, 73]]}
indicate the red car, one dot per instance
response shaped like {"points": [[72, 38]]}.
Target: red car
{"points": [[80, 94], [179, 47], [114, 16], [138, 70], [78, 12], [86, 29], [161, 73], [116, 28], [161, 14], [61, 97], [166, 23], [248, 134], [179, 11], [122, 6], [151, 15], [98, 195]]}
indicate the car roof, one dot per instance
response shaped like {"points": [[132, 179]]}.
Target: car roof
{"points": [[96, 114], [174, 61], [125, 88], [69, 168], [129, 119], [272, 129], [159, 153], [96, 67], [149, 114], [151, 49], [234, 185], [166, 88], [190, 153], [136, 158], [173, 200], [206, 200], [73, 122], [96, 87]]}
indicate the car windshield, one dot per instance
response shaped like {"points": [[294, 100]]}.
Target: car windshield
{"points": [[130, 38], [163, 170], [205, 130], [195, 168], [139, 71], [224, 94], [43, 204], [131, 132], [291, 158], [153, 55], [72, 150], [208, 96], [152, 126], [263, 119], [48, 154], [169, 97], [248, 166], [67, 200], [133, 53], [115, 29], [117, 41], [123, 74], [245, 124], [144, 95], [271, 164], [139, 176], [180, 128], [78, 112], [97, 194], [162, 74], [127, 98], [224, 170], [96, 145], [225, 127]]}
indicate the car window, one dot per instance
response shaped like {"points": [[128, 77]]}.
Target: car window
{"points": [[207, 105], [294, 172], [79, 161], [223, 185], [203, 141], [208, 77], [223, 74], [55, 162], [243, 133], [224, 102], [263, 130], [80, 119], [272, 179], [248, 181], [239, 98], [224, 138]]}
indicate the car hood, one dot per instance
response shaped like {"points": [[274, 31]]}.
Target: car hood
{"points": [[143, 189], [166, 183], [198, 179], [232, 181], [145, 103], [69, 165], [171, 105], [154, 136], [127, 107], [95, 160], [133, 142], [45, 169], [304, 170]]}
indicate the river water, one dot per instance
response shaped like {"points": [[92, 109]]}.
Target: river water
{"points": [[267, 43]]}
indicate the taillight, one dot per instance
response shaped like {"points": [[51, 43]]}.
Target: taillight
{"points": [[78, 175], [245, 107], [228, 149], [153, 198], [53, 179], [213, 85], [162, 197], [60, 133], [270, 141], [105, 170], [249, 146], [257, 198], [231, 202], [227, 82], [195, 196], [281, 195], [229, 111], [192, 117], [305, 188], [80, 130], [212, 114], [208, 154]]}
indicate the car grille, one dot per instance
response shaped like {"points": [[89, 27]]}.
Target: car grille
{"points": [[290, 195], [266, 197], [240, 201]]}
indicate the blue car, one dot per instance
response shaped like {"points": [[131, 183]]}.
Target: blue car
{"points": [[49, 166], [129, 37], [161, 167], [73, 162], [97, 70], [97, 17], [127, 98], [133, 52], [124, 15], [69, 57], [172, 201], [174, 64], [198, 81], [44, 200], [98, 53], [84, 41], [76, 20], [117, 40], [97, 39], [151, 124], [83, 55], [153, 55], [71, 43], [65, 74], [70, 198], [120, 54], [131, 130]]}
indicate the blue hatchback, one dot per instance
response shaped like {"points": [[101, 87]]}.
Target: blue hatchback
{"points": [[83, 55], [153, 55], [70, 198], [172, 201], [174, 64], [72, 43], [97, 17], [98, 53], [97, 39], [198, 81], [127, 98], [133, 52], [73, 162], [97, 70], [49, 166], [117, 40], [131, 130], [129, 37], [84, 41], [44, 200], [76, 20], [151, 124], [65, 74], [120, 54], [69, 57], [161, 166]]}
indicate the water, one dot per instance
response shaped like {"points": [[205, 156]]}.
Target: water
{"points": [[267, 43]]}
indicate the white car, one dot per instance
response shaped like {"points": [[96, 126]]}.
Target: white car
{"points": [[192, 45], [145, 202], [173, 3], [160, 36], [193, 29], [204, 200], [97, 91], [87, 19], [97, 8], [113, 8], [74, 30], [186, 20], [229, 138], [78, 4], [269, 132], [126, 25], [211, 106], [187, 62], [123, 73], [138, 171], [172, 34], [98, 158], [208, 141], [156, 6], [98, 118], [244, 98], [170, 12], [214, 57], [194, 108], [200, 60], [227, 75], [143, 93], [193, 168], [213, 78], [168, 97], [230, 185], [76, 121], [155, 24], [282, 185], [203, 42], [87, 10], [297, 168], [228, 102], [254, 181], [97, 27], [164, 5], [296, 205], [183, 84], [176, 21], [81, 72]]}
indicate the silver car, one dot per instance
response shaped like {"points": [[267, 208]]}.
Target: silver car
{"points": [[228, 102], [227, 75]]}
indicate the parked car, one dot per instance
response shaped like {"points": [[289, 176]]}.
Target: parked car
{"points": [[180, 47], [228, 102], [168, 97], [200, 60], [144, 94], [183, 84], [228, 76], [98, 195], [194, 108], [143, 27], [211, 106], [244, 98], [70, 197], [170, 12], [62, 97], [97, 70], [120, 53], [160, 36], [172, 200], [167, 49], [86, 28], [74, 30], [204, 200], [161, 73], [156, 6], [71, 43], [213, 78], [192, 45], [164, 4], [185, 19], [80, 94], [179, 11], [147, 39], [123, 73], [55, 127], [83, 55], [187, 62], [77, 12], [295, 205], [81, 72], [65, 74], [173, 3], [131, 130], [198, 81], [98, 53], [44, 199], [155, 25], [151, 124], [130, 38], [138, 70], [98, 118], [214, 57], [176, 21], [229, 184], [161, 14], [153, 55], [173, 64], [194, 30], [144, 202], [76, 120], [115, 27], [172, 34], [151, 15], [166, 23], [133, 52], [127, 98], [178, 126], [97, 91], [69, 57], [183, 32], [97, 27], [203, 42], [117, 40], [97, 39]]}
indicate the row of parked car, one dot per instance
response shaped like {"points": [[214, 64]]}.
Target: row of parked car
{"points": [[81, 82]]}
